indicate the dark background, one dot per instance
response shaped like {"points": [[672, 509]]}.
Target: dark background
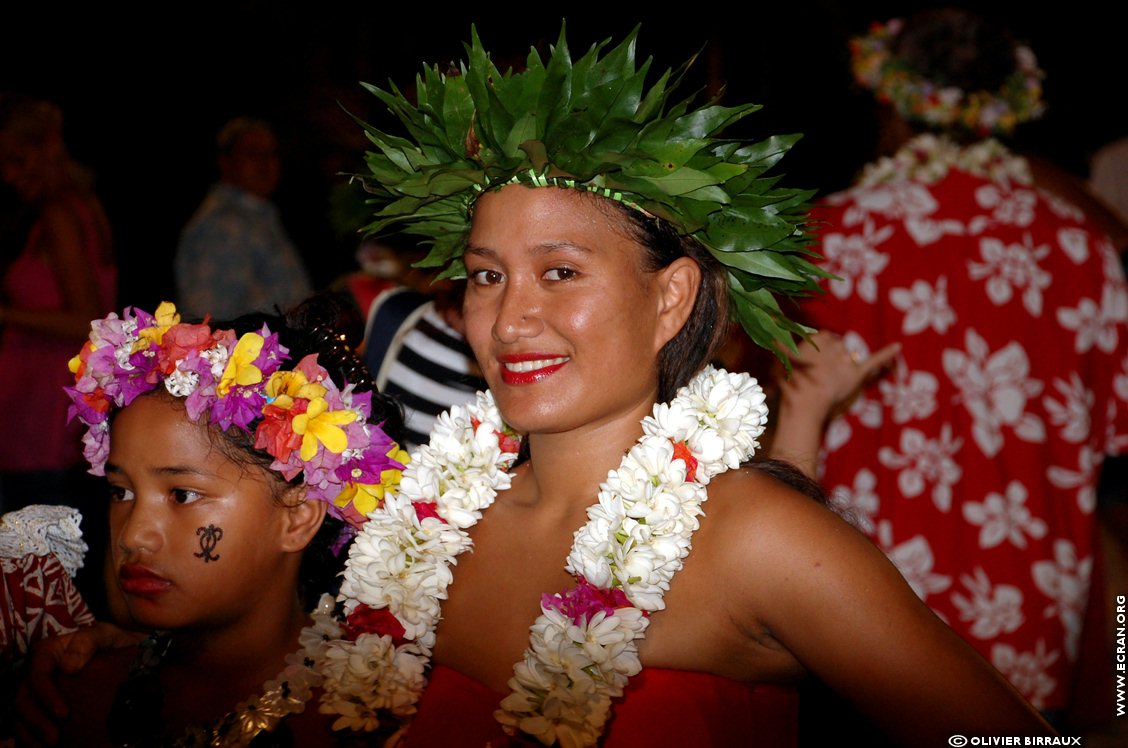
{"points": [[144, 91]]}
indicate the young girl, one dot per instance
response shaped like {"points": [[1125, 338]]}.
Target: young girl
{"points": [[238, 467]]}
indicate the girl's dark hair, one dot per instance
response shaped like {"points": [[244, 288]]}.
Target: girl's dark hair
{"points": [[327, 324], [697, 343]]}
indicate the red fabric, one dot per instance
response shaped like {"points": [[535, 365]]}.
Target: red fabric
{"points": [[974, 463], [39, 600], [660, 707]]}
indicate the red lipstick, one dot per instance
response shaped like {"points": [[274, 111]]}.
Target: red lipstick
{"points": [[527, 368], [141, 581]]}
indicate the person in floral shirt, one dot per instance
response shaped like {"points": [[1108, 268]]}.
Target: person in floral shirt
{"points": [[973, 460]]}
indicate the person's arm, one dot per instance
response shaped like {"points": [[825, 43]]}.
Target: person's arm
{"points": [[833, 600], [40, 705], [825, 378], [62, 240]]}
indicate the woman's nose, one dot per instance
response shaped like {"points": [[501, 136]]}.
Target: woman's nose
{"points": [[140, 526], [518, 314]]}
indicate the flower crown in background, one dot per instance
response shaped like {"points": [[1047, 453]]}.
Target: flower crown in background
{"points": [[298, 417], [919, 99]]}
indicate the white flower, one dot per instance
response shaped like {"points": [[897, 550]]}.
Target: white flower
{"points": [[217, 357], [924, 306], [181, 383], [1027, 670], [1065, 580], [636, 537], [994, 610], [1004, 518], [909, 394], [855, 261], [403, 563], [858, 504], [995, 388], [923, 461], [1096, 324]]}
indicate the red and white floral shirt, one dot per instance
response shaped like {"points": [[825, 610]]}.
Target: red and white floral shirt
{"points": [[974, 463]]}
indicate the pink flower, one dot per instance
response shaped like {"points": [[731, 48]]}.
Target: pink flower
{"points": [[425, 509], [585, 600]]}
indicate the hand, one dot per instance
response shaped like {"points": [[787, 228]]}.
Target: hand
{"points": [[826, 377], [40, 706]]}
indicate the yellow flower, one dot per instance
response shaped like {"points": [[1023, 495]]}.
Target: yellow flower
{"points": [[319, 424], [240, 366], [365, 497], [165, 317], [284, 386], [398, 454]]}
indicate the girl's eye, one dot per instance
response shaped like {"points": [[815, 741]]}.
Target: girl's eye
{"points": [[560, 274], [185, 495], [117, 493], [485, 277]]}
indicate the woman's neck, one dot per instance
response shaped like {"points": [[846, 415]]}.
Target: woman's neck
{"points": [[242, 656], [565, 469]]}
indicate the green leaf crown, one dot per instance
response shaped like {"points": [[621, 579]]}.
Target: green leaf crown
{"points": [[593, 125]]}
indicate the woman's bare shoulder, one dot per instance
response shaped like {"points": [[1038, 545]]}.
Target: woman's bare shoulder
{"points": [[800, 549]]}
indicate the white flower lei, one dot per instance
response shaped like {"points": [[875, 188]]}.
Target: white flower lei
{"points": [[580, 653], [927, 158]]}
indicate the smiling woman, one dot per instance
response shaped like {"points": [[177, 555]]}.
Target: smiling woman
{"points": [[607, 236], [599, 232]]}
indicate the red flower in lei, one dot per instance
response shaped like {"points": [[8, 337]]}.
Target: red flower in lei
{"points": [[379, 621], [681, 452], [275, 433]]}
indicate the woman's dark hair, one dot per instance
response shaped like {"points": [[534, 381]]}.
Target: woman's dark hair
{"points": [[697, 343], [329, 325], [953, 47], [704, 331]]}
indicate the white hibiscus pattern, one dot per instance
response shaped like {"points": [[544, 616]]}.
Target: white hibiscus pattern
{"points": [[992, 609], [1027, 670], [925, 307], [854, 258], [909, 394], [858, 503], [914, 559], [1065, 580], [1004, 518], [994, 389], [923, 462], [897, 200], [1084, 478], [1095, 324], [1010, 207], [1071, 413], [1009, 268]]}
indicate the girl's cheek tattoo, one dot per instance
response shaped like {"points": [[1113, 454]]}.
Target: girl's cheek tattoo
{"points": [[209, 537]]}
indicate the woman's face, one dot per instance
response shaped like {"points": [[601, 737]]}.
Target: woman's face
{"points": [[23, 164], [191, 531], [563, 320]]}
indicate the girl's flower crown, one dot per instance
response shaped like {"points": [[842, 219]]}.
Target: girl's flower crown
{"points": [[919, 99], [299, 417]]}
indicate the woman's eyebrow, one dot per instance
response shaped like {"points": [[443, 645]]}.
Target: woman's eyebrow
{"points": [[542, 248]]}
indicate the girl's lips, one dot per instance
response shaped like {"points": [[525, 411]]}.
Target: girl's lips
{"points": [[141, 581], [526, 368]]}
